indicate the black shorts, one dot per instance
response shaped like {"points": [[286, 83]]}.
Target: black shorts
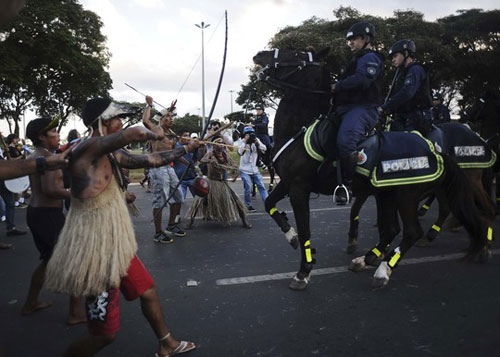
{"points": [[45, 224]]}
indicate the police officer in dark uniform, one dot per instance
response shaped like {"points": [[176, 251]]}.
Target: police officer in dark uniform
{"points": [[356, 96], [410, 105], [260, 124], [440, 113]]}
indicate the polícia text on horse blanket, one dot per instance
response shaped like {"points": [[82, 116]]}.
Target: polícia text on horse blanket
{"points": [[466, 147]]}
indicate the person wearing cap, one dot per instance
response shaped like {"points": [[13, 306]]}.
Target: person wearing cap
{"points": [[356, 96], [164, 180], [95, 255], [411, 101], [45, 216], [249, 172], [440, 112]]}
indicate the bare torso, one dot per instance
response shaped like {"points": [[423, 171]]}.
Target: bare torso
{"points": [[44, 186]]}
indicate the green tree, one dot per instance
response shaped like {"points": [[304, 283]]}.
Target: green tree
{"points": [[460, 51], [56, 59], [189, 122]]}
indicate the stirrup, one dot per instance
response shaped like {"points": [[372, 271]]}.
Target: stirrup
{"points": [[347, 195]]}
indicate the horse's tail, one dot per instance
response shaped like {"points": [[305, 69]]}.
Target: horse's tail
{"points": [[461, 201]]}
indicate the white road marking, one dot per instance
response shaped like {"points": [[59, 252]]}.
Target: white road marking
{"points": [[312, 210], [336, 270]]}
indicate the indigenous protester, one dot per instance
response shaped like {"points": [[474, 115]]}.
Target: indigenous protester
{"points": [[440, 113], [95, 254], [410, 105], [356, 96], [182, 163], [164, 179], [249, 171], [45, 215], [222, 203]]}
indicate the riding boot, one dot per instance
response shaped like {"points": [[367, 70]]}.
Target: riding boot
{"points": [[343, 192]]}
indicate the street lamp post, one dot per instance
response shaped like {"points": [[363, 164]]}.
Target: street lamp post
{"points": [[231, 92], [202, 26]]}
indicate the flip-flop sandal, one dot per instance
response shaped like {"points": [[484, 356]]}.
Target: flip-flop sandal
{"points": [[183, 347]]}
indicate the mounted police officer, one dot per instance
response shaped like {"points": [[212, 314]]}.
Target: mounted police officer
{"points": [[260, 124], [356, 97], [440, 113], [412, 100]]}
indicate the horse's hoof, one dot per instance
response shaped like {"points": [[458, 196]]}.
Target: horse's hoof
{"points": [[432, 234], [484, 255], [298, 283], [358, 264], [381, 276], [372, 259], [352, 246], [292, 237], [421, 212], [422, 242]]}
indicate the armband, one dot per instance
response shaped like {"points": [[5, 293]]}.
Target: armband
{"points": [[41, 164], [149, 105]]}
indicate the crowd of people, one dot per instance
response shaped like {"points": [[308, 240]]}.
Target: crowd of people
{"points": [[94, 191]]}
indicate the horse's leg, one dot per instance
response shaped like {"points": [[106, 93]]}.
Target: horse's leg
{"points": [[352, 242], [299, 198], [270, 169], [444, 212], [280, 218], [485, 204], [425, 207], [407, 207], [388, 228]]}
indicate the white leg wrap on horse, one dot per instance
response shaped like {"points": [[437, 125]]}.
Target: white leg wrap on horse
{"points": [[383, 272], [290, 234]]}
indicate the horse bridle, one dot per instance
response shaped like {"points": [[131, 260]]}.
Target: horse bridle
{"points": [[296, 66]]}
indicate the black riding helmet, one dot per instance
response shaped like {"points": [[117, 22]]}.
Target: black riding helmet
{"points": [[361, 29], [403, 46]]}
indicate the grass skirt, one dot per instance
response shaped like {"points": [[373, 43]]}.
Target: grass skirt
{"points": [[221, 204], [95, 246]]}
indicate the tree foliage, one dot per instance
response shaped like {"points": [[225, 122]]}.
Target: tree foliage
{"points": [[460, 50], [53, 59]]}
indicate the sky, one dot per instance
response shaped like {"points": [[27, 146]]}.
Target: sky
{"points": [[155, 44]]}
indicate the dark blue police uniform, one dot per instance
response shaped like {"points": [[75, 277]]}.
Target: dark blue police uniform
{"points": [[357, 96], [412, 101]]}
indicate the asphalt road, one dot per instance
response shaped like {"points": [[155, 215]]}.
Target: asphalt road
{"points": [[433, 306]]}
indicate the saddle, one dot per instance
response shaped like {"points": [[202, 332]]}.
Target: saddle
{"points": [[462, 144]]}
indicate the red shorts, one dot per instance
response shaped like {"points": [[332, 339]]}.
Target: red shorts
{"points": [[103, 311]]}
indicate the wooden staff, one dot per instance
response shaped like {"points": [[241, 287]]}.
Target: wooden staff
{"points": [[219, 144], [219, 130]]}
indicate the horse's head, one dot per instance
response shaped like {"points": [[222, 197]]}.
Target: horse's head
{"points": [[296, 70], [484, 113], [238, 130]]}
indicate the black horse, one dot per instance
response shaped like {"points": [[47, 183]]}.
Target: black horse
{"points": [[306, 83]]}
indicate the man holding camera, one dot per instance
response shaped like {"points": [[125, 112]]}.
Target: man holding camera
{"points": [[248, 151]]}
